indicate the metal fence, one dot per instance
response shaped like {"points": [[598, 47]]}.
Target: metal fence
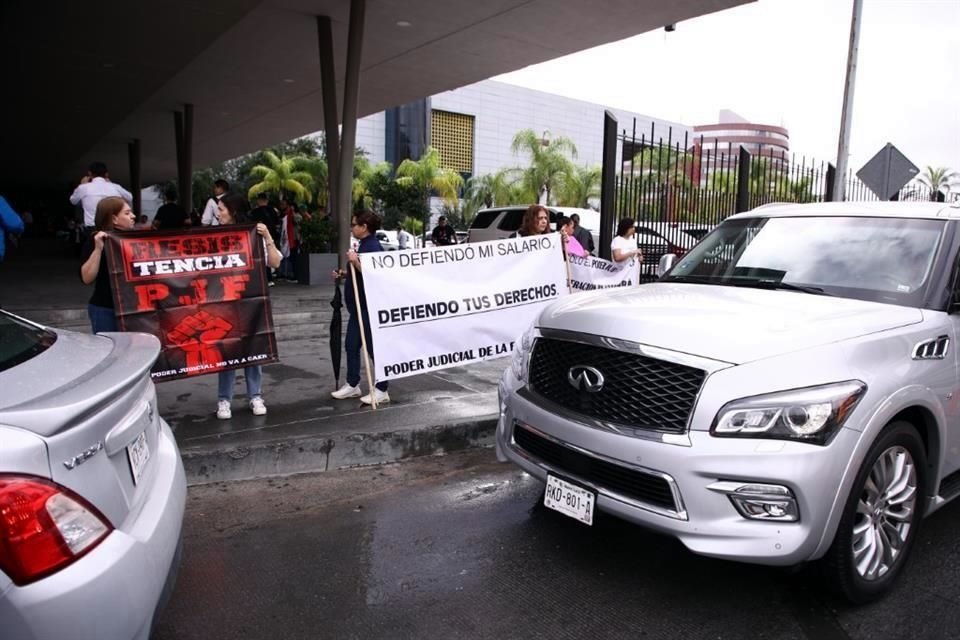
{"points": [[679, 187]]}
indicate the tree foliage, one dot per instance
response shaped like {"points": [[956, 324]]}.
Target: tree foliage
{"points": [[283, 176], [938, 179], [579, 187], [548, 162]]}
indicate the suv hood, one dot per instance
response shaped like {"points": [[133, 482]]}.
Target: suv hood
{"points": [[730, 324]]}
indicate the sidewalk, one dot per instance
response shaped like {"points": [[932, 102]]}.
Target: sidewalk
{"points": [[304, 429]]}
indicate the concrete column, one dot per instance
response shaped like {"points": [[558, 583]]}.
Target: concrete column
{"points": [[136, 186], [183, 131], [328, 87], [348, 138]]}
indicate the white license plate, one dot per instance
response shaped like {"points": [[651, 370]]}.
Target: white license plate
{"points": [[569, 499], [138, 453]]}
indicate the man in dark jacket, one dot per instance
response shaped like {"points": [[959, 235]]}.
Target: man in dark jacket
{"points": [[583, 236]]}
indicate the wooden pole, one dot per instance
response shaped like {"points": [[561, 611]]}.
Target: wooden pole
{"points": [[566, 261], [363, 338]]}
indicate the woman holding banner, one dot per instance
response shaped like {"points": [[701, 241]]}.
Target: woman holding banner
{"points": [[233, 209], [536, 221], [624, 246], [113, 214], [363, 227], [572, 245]]}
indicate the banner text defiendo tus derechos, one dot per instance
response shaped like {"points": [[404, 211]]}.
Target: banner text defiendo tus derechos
{"points": [[449, 306]]}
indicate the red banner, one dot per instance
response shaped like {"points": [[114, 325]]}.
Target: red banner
{"points": [[202, 292]]}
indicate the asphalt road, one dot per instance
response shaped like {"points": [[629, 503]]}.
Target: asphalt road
{"points": [[458, 547]]}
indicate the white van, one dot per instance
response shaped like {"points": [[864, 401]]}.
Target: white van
{"points": [[500, 222]]}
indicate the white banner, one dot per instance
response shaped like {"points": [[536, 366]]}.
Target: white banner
{"points": [[448, 306], [589, 273]]}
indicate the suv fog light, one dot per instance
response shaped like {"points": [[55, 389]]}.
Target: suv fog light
{"points": [[760, 501]]}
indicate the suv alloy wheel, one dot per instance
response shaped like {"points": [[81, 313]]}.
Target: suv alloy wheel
{"points": [[881, 517]]}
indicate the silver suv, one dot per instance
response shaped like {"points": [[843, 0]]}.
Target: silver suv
{"points": [[786, 392]]}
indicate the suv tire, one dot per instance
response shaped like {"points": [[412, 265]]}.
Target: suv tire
{"points": [[881, 517]]}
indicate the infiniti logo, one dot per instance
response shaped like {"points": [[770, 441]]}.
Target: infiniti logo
{"points": [[584, 378]]}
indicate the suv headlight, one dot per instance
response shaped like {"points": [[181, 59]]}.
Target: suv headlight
{"points": [[812, 414], [520, 360]]}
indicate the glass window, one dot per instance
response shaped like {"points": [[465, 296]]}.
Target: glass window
{"points": [[484, 219], [20, 341], [512, 220], [878, 259]]}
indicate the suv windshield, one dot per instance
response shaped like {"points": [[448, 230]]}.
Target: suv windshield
{"points": [[876, 259], [20, 341]]}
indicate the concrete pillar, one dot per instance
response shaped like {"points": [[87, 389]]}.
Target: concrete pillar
{"points": [[328, 87], [348, 137], [183, 131], [136, 184]]}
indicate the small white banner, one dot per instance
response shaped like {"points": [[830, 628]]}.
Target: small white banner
{"points": [[589, 273], [449, 306]]}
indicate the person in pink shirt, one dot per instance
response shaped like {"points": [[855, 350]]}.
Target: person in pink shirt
{"points": [[565, 227]]}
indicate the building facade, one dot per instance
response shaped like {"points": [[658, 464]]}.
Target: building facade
{"points": [[473, 127]]}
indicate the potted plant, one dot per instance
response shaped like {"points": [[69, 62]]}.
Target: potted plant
{"points": [[315, 260]]}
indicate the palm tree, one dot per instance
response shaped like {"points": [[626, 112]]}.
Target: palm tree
{"points": [[494, 189], [282, 175], [663, 165], [938, 179], [427, 175], [365, 174], [579, 187], [317, 168], [548, 164]]}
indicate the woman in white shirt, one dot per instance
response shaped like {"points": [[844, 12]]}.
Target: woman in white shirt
{"points": [[624, 245]]}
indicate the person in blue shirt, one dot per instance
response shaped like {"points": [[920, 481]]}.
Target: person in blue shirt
{"points": [[10, 222], [364, 227]]}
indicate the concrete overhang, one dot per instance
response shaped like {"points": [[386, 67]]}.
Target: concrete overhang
{"points": [[83, 79]]}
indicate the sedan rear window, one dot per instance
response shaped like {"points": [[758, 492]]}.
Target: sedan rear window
{"points": [[20, 341]]}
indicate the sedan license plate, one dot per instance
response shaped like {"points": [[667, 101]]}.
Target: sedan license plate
{"points": [[138, 453], [569, 499]]}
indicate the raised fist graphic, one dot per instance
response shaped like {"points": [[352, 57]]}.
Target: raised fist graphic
{"points": [[198, 335]]}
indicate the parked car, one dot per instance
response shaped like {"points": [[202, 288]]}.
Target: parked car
{"points": [[388, 240], [785, 393], [92, 488], [502, 222]]}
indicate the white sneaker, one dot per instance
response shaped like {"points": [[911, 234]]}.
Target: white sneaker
{"points": [[347, 391], [257, 406], [382, 397], [223, 410]]}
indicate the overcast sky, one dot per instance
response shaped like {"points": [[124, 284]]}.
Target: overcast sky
{"points": [[782, 62]]}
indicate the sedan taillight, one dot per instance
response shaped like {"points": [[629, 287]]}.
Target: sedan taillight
{"points": [[44, 527]]}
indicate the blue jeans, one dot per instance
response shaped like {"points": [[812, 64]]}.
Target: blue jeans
{"points": [[101, 319], [253, 375], [353, 346]]}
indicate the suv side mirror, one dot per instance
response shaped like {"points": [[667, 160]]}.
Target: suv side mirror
{"points": [[667, 261]]}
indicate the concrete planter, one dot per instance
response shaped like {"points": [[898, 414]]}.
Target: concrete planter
{"points": [[314, 269]]}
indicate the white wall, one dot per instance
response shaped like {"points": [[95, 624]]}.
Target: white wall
{"points": [[371, 136]]}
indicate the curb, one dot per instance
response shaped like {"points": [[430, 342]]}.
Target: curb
{"points": [[332, 451]]}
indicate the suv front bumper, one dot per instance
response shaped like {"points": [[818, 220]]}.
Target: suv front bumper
{"points": [[704, 519]]}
